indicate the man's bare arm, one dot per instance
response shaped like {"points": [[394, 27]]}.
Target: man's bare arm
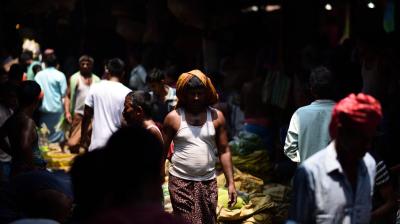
{"points": [[67, 103], [225, 156], [169, 131], [171, 122]]}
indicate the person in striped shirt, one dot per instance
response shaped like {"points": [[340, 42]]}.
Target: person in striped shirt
{"points": [[384, 199]]}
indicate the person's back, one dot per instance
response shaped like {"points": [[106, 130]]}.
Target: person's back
{"points": [[34, 68], [8, 104], [21, 131], [335, 185], [108, 107], [54, 86], [16, 125], [106, 99], [309, 125], [313, 126]]}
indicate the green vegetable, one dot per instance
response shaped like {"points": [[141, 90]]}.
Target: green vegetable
{"points": [[223, 199]]}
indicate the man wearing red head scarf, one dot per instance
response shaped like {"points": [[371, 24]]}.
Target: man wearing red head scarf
{"points": [[199, 135], [335, 185]]}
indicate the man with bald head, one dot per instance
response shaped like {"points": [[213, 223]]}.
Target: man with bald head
{"points": [[335, 185]]}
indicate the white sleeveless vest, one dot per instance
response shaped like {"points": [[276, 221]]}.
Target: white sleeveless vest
{"points": [[195, 150]]}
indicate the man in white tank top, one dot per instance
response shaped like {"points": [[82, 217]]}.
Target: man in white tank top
{"points": [[200, 138], [74, 103]]}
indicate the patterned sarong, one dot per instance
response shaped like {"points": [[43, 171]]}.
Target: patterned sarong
{"points": [[194, 201]]}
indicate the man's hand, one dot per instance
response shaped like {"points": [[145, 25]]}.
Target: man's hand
{"points": [[232, 195], [68, 117]]}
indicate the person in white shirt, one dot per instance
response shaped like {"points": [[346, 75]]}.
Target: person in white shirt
{"points": [[336, 184], [104, 103], [308, 130]]}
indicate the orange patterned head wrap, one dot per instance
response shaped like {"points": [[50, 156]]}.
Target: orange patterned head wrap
{"points": [[361, 111], [212, 96]]}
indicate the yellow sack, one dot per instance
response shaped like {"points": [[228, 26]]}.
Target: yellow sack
{"points": [[256, 163], [268, 203], [243, 182], [260, 218], [257, 204]]}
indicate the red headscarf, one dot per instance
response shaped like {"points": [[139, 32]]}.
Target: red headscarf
{"points": [[362, 111], [212, 96]]}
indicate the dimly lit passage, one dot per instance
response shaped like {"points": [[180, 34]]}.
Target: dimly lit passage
{"points": [[199, 111]]}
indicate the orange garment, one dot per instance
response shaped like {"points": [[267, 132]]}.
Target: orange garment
{"points": [[361, 111], [212, 96]]}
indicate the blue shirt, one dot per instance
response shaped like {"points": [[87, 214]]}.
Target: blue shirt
{"points": [[54, 87], [323, 194], [309, 130]]}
